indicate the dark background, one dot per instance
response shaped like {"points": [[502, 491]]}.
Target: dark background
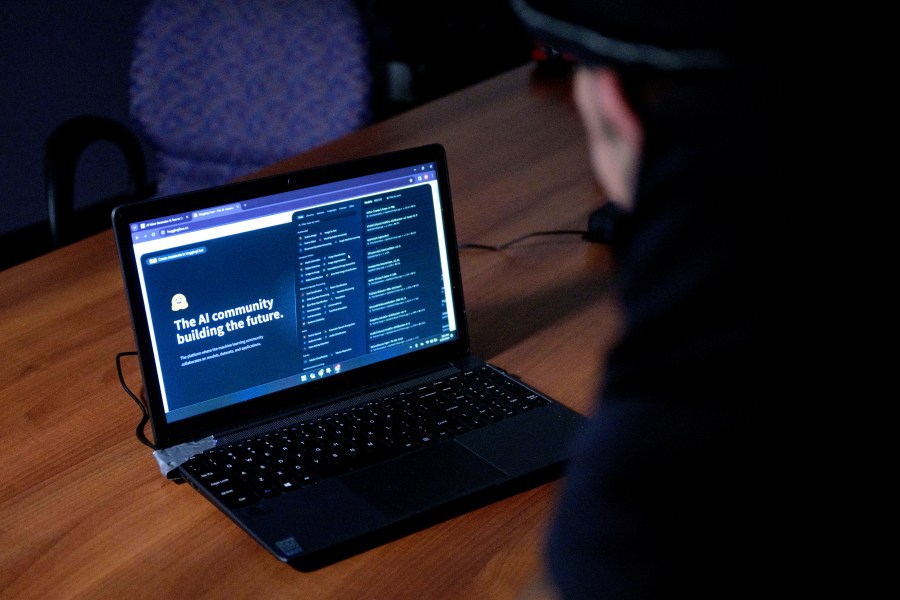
{"points": [[61, 58]]}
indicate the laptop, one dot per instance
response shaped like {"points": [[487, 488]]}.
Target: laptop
{"points": [[305, 356]]}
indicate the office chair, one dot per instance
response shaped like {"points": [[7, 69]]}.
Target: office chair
{"points": [[221, 88]]}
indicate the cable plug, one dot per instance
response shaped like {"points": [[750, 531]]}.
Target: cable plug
{"points": [[603, 223]]}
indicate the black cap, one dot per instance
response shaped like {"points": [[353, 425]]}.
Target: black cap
{"points": [[688, 35]]}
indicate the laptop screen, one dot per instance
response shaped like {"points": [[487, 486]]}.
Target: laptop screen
{"points": [[255, 295]]}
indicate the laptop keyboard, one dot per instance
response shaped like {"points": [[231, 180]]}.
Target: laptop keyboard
{"points": [[278, 462]]}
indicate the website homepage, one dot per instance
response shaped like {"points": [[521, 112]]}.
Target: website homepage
{"points": [[264, 302]]}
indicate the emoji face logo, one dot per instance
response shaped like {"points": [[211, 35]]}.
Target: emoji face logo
{"points": [[179, 302]]}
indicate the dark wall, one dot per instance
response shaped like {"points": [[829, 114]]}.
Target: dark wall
{"points": [[423, 51], [59, 59]]}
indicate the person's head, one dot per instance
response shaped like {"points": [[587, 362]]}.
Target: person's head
{"points": [[631, 55]]}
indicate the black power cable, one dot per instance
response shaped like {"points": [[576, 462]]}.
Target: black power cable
{"points": [[139, 432], [520, 239], [602, 226]]}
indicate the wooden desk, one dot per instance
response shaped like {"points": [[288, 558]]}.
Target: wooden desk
{"points": [[84, 511]]}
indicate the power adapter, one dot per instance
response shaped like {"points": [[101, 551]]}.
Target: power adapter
{"points": [[603, 223]]}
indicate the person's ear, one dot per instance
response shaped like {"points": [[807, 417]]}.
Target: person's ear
{"points": [[615, 133], [625, 125]]}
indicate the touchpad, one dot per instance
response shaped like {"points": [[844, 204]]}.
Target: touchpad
{"points": [[423, 479]]}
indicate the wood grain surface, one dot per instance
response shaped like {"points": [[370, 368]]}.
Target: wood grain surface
{"points": [[84, 511]]}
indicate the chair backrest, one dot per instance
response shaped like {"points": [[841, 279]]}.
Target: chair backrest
{"points": [[62, 152], [223, 87]]}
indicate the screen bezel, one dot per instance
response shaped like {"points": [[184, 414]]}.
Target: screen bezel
{"points": [[282, 403]]}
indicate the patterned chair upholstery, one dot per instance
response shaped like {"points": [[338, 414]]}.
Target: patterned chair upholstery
{"points": [[220, 88]]}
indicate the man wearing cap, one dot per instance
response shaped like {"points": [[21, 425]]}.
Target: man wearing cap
{"points": [[689, 482]]}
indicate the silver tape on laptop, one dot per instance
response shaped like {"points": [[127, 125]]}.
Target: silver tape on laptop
{"points": [[171, 458]]}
